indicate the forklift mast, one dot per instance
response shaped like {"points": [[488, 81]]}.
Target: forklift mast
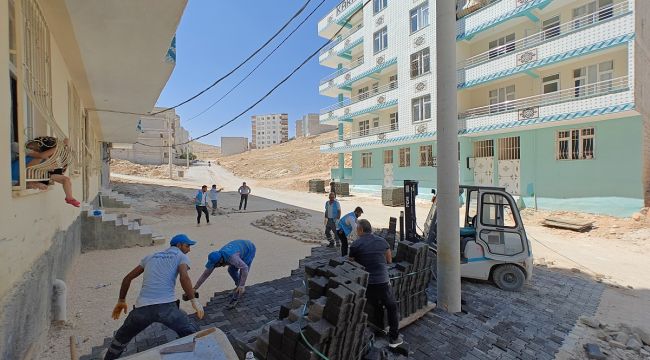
{"points": [[410, 223]]}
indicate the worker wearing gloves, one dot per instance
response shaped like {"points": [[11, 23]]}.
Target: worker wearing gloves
{"points": [[157, 300], [332, 216], [238, 255], [347, 226]]}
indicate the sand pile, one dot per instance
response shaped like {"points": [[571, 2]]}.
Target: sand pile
{"points": [[126, 167], [291, 223]]}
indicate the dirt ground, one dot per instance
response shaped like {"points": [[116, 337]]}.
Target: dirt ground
{"points": [[156, 171]]}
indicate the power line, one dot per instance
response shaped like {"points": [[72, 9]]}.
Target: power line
{"points": [[258, 65], [277, 85], [304, 6]]}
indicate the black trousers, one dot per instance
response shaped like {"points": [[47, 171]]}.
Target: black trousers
{"points": [[382, 294], [244, 200], [344, 242], [202, 209]]}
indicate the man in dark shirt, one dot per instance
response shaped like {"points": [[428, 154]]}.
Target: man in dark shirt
{"points": [[374, 254]]}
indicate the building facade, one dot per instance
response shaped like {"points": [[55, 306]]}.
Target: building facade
{"points": [[233, 145], [300, 132], [156, 134], [56, 76], [312, 125], [269, 130], [550, 95]]}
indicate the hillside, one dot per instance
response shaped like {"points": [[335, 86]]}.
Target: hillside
{"points": [[289, 165], [205, 151]]}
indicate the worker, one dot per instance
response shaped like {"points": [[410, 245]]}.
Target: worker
{"points": [[346, 226], [157, 301], [244, 190], [238, 255], [213, 195], [373, 253], [201, 204], [332, 216]]}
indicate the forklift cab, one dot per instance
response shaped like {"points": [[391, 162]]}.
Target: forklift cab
{"points": [[493, 241]]}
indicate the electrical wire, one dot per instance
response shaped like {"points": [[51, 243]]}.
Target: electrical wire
{"points": [[274, 87], [304, 6], [258, 65], [562, 255]]}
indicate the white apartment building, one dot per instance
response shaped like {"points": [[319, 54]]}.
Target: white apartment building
{"points": [[268, 130], [312, 126], [551, 97], [231, 145]]}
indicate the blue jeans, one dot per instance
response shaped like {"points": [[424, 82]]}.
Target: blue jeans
{"points": [[234, 272], [214, 206], [139, 318]]}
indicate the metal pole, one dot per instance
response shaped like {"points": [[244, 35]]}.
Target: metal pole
{"points": [[448, 264], [170, 149]]}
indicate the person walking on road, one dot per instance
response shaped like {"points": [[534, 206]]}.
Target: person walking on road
{"points": [[332, 216], [238, 255], [244, 190], [213, 198], [201, 203], [373, 253], [157, 301], [346, 226]]}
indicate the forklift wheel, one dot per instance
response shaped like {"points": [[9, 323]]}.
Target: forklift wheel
{"points": [[509, 277]]}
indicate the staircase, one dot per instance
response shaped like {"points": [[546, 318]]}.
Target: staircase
{"points": [[113, 199]]}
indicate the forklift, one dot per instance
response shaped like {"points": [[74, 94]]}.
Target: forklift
{"points": [[492, 239]]}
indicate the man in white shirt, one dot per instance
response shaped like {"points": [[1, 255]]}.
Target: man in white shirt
{"points": [[244, 190], [212, 194]]}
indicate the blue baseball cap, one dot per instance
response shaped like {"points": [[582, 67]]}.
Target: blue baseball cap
{"points": [[181, 239], [213, 259]]}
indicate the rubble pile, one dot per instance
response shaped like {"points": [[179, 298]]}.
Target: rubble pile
{"points": [[617, 341], [126, 167], [288, 224]]}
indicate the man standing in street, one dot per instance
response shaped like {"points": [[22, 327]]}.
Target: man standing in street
{"points": [[346, 226], [213, 198], [238, 255], [201, 203], [332, 216], [373, 253], [244, 190], [157, 300]]}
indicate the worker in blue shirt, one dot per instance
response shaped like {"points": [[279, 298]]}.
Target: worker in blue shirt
{"points": [[346, 226], [238, 255]]}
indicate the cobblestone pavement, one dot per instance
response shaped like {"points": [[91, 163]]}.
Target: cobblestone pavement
{"points": [[494, 324]]}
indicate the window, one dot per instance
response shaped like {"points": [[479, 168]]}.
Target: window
{"points": [[362, 93], [496, 212], [12, 36], [388, 156], [421, 108], [420, 17], [551, 83], [420, 63], [502, 46], [551, 27], [366, 160], [501, 99], [380, 40], [484, 148], [575, 144], [392, 82], [404, 157], [592, 12], [509, 148], [375, 122], [393, 121], [379, 5], [593, 79], [426, 155], [364, 127], [375, 88]]}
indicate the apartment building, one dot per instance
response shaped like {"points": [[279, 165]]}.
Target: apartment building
{"points": [[550, 96], [300, 128], [312, 125], [269, 130], [231, 145], [63, 61], [155, 135]]}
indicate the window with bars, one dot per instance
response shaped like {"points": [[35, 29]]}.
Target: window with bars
{"points": [[509, 148], [502, 45], [36, 58], [601, 10], [394, 121], [421, 108], [405, 157], [420, 17], [420, 63], [388, 156], [426, 155], [593, 79], [575, 144], [380, 40], [366, 160], [75, 117], [484, 148], [364, 127]]}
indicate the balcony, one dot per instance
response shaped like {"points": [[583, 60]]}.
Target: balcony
{"points": [[346, 13], [373, 100], [603, 15], [329, 84], [361, 137], [354, 76], [582, 101], [341, 47]]}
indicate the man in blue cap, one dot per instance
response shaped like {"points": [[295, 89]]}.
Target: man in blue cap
{"points": [[238, 255], [157, 301]]}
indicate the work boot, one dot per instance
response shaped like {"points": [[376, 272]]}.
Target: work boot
{"points": [[395, 342]]}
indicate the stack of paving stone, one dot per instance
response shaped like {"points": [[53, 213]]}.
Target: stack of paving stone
{"points": [[325, 316], [317, 186], [340, 188], [410, 274]]}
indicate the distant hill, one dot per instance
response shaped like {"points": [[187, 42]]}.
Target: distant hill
{"points": [[205, 151]]}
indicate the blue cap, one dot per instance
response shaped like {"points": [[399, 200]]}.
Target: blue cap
{"points": [[181, 239], [213, 259]]}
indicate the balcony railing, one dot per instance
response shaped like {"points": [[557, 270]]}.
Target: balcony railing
{"points": [[342, 71], [370, 131], [467, 7], [340, 39], [572, 94], [360, 97], [604, 14]]}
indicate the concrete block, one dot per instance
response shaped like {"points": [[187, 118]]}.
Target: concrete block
{"points": [[318, 332], [339, 296]]}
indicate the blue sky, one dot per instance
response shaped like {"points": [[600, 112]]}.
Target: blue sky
{"points": [[214, 36]]}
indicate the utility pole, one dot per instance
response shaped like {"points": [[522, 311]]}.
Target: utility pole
{"points": [[187, 155], [448, 264], [170, 148]]}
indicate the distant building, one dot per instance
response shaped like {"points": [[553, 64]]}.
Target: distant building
{"points": [[300, 132], [269, 130], [152, 145], [233, 145], [312, 126]]}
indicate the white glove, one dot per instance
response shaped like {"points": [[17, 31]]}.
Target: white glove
{"points": [[198, 307]]}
